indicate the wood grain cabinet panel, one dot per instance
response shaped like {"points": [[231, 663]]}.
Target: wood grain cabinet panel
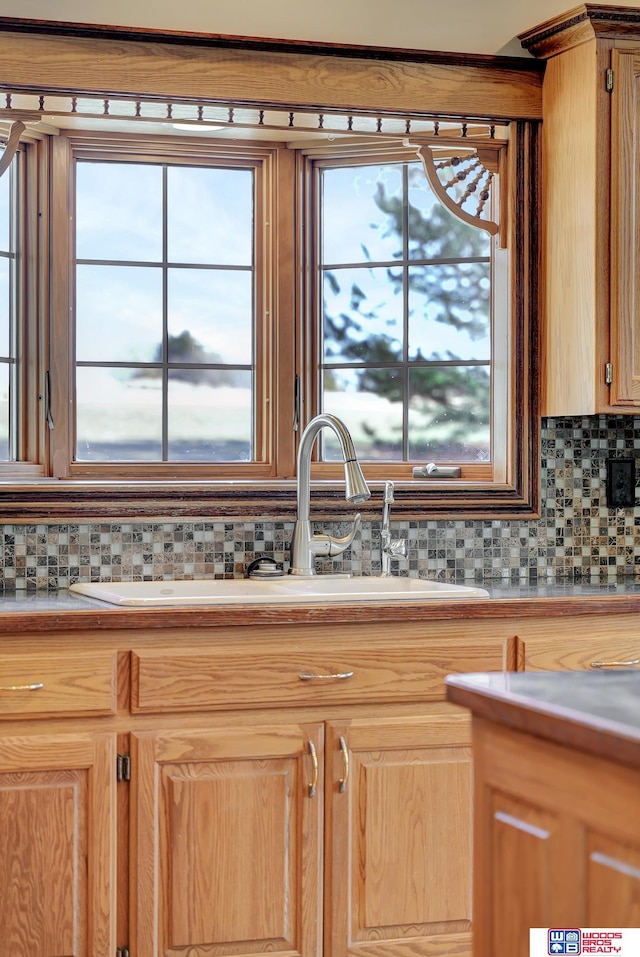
{"points": [[591, 200], [612, 881], [57, 846], [226, 829], [58, 684], [556, 840], [398, 858], [564, 653], [336, 673]]}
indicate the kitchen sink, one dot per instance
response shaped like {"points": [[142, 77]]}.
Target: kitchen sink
{"points": [[282, 590]]}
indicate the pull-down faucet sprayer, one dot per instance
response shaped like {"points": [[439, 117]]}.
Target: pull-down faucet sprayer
{"points": [[306, 546]]}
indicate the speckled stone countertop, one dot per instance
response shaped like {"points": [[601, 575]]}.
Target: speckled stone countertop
{"points": [[593, 711], [56, 611]]}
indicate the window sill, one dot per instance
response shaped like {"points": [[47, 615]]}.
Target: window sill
{"points": [[64, 501]]}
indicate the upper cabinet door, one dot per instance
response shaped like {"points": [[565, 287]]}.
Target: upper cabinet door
{"points": [[625, 226], [591, 200], [57, 845], [226, 826]]}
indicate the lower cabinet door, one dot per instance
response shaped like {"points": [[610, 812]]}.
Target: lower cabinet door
{"points": [[226, 825], [57, 845], [398, 868]]}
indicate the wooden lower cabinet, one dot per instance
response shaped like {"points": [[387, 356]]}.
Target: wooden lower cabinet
{"points": [[293, 791], [239, 833], [557, 836], [57, 845], [226, 830], [398, 856]]}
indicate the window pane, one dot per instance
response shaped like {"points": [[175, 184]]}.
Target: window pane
{"points": [[150, 319], [210, 216], [10, 304], [434, 232], [214, 307], [369, 402], [449, 311], [449, 414], [210, 421], [119, 211], [362, 315], [421, 331], [5, 434], [118, 313], [5, 194], [119, 416], [5, 305], [362, 219]]}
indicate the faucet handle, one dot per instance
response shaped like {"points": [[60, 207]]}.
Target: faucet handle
{"points": [[338, 545], [388, 494], [397, 548]]}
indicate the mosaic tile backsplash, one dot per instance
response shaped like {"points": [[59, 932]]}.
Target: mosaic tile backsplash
{"points": [[577, 536]]}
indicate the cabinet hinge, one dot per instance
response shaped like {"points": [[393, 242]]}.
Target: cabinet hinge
{"points": [[608, 373], [609, 80], [122, 952], [123, 772]]}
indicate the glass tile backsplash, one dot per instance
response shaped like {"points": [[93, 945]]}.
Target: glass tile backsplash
{"points": [[577, 536]]}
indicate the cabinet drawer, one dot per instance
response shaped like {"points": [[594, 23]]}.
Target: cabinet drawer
{"points": [[253, 676], [58, 684], [576, 654]]}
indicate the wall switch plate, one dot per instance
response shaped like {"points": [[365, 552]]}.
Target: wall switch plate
{"points": [[621, 483]]}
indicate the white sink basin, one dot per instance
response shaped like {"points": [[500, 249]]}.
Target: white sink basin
{"points": [[282, 590]]}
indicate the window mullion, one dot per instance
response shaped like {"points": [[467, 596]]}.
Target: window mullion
{"points": [[61, 309]]}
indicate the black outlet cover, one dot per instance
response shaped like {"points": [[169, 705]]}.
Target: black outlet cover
{"points": [[621, 483]]}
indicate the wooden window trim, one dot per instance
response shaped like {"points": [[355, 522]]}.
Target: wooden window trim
{"points": [[492, 474], [65, 56], [67, 149]]}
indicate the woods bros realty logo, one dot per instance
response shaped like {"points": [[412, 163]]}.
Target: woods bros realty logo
{"points": [[552, 941]]}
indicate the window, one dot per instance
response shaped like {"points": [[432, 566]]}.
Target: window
{"points": [[200, 299], [164, 312], [9, 311], [410, 302]]}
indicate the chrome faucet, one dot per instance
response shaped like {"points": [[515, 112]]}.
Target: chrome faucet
{"points": [[390, 548], [305, 546]]}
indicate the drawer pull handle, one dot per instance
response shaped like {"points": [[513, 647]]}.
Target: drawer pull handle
{"points": [[314, 778], [616, 664], [338, 676], [344, 751], [34, 687]]}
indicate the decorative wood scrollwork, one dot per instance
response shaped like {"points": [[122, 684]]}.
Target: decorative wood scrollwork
{"points": [[463, 179]]}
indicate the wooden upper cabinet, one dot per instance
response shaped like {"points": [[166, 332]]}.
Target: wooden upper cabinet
{"points": [[590, 197], [625, 223]]}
